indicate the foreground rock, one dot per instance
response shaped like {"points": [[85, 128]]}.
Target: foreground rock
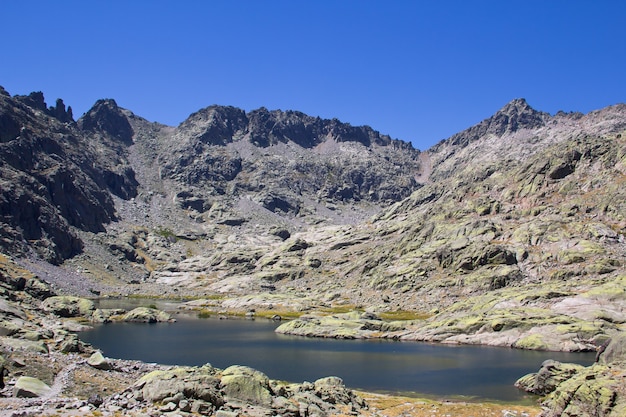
{"points": [[574, 390], [242, 390], [98, 361], [30, 387]]}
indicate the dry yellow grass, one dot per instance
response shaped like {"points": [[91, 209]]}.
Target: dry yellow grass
{"points": [[393, 406]]}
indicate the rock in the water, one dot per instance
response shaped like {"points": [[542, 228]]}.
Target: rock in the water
{"points": [[69, 306], [147, 315], [28, 387]]}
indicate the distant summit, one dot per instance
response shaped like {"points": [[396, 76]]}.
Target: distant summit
{"points": [[106, 117], [515, 115]]}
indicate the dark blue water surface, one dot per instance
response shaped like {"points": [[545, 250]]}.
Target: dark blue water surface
{"points": [[373, 365]]}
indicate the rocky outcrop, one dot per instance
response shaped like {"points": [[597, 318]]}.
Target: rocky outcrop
{"points": [[210, 391], [281, 159], [353, 325], [574, 390], [514, 116], [36, 101]]}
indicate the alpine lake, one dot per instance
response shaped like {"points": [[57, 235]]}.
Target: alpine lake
{"points": [[459, 372]]}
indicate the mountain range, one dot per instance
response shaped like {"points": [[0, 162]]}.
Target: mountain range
{"points": [[509, 233]]}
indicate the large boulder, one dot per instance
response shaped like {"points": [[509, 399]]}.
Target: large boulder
{"points": [[332, 390], [146, 315], [28, 387], [196, 385], [69, 306], [246, 384], [98, 361]]}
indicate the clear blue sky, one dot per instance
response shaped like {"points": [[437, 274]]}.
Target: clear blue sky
{"points": [[417, 70]]}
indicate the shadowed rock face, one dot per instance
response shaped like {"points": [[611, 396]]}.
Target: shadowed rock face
{"points": [[223, 150], [53, 180]]}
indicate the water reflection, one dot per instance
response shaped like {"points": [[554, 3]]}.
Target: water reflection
{"points": [[375, 365]]}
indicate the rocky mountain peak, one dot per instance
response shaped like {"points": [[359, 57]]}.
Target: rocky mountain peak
{"points": [[214, 125], [106, 117], [514, 116]]}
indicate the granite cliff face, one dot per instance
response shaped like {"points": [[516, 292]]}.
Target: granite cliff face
{"points": [[56, 179]]}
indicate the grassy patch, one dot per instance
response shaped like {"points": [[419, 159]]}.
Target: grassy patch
{"points": [[396, 406], [340, 309], [284, 314], [204, 314], [166, 233], [404, 315]]}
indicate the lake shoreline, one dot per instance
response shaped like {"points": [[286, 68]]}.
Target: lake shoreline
{"points": [[378, 365]]}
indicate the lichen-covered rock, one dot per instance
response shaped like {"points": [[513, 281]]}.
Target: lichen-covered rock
{"points": [[615, 351], [548, 378], [332, 390], [592, 391], [352, 325], [71, 343], [191, 383], [146, 315], [101, 315], [575, 390], [209, 391], [69, 306], [247, 385], [27, 345]]}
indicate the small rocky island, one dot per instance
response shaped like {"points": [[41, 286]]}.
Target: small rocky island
{"points": [[510, 233]]}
